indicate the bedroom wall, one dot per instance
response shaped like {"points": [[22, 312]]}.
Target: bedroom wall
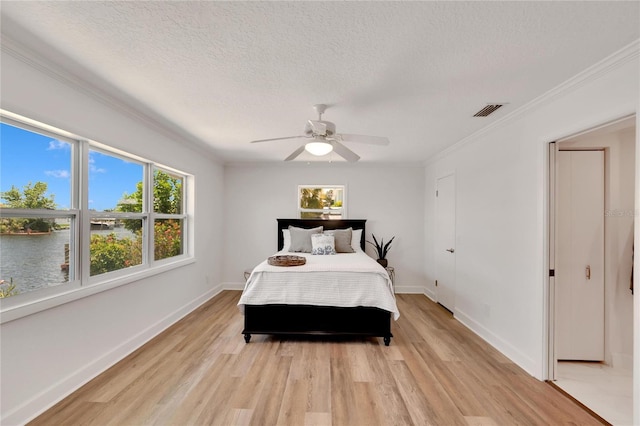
{"points": [[501, 197], [47, 355], [390, 197]]}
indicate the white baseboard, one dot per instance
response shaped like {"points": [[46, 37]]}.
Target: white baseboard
{"points": [[524, 361], [430, 294], [45, 399], [409, 289], [232, 285], [622, 361]]}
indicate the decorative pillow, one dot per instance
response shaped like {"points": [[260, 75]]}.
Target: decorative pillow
{"points": [[355, 240], [301, 238], [323, 244], [343, 239]]}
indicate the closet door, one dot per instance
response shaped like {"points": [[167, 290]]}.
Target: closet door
{"points": [[580, 256], [445, 242]]}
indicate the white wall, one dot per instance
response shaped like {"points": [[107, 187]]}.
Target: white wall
{"points": [[619, 212], [47, 355], [501, 217], [391, 198]]}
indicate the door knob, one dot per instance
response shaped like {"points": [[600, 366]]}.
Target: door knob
{"points": [[450, 250]]}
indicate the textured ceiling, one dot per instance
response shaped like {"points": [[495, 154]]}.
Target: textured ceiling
{"points": [[230, 72]]}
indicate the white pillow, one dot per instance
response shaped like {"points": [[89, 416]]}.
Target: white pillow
{"points": [[356, 235], [323, 244], [287, 240]]}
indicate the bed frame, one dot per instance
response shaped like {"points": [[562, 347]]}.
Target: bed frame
{"points": [[317, 320]]}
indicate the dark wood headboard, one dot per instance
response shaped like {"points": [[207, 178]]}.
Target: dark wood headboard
{"points": [[326, 224]]}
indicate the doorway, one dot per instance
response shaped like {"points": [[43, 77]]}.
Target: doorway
{"points": [[445, 241], [591, 262]]}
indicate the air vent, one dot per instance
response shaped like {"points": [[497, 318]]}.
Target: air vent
{"points": [[487, 110]]}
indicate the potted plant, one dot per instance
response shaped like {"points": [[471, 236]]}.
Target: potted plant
{"points": [[382, 249]]}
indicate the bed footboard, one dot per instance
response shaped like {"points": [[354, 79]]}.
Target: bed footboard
{"points": [[306, 319]]}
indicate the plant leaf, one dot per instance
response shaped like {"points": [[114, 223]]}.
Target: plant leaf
{"points": [[386, 247]]}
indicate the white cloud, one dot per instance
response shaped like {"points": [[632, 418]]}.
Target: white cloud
{"points": [[92, 166], [56, 144], [63, 174]]}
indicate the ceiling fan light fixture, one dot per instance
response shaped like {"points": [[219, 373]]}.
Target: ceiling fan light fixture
{"points": [[318, 148]]}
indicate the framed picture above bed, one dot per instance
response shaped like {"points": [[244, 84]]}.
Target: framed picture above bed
{"points": [[327, 202]]}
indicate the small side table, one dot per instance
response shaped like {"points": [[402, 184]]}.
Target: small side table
{"points": [[392, 276], [247, 273]]}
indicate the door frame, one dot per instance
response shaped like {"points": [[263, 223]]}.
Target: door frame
{"points": [[549, 369], [552, 360]]}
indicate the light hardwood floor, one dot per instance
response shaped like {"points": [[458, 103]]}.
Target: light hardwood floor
{"points": [[200, 372]]}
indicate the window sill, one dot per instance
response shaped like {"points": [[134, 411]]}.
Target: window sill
{"points": [[26, 308]]}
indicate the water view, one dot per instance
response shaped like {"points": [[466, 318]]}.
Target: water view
{"points": [[35, 261]]}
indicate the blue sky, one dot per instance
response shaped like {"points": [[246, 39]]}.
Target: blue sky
{"points": [[30, 157]]}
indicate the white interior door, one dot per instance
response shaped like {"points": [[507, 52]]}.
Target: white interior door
{"points": [[580, 256], [445, 242]]}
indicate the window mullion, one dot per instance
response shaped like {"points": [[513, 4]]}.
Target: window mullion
{"points": [[81, 201], [117, 215], [36, 213], [147, 207]]}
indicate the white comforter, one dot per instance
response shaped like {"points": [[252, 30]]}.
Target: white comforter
{"points": [[344, 280]]}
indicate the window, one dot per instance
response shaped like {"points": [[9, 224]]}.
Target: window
{"points": [[116, 187], [321, 202], [37, 220], [168, 217], [74, 212]]}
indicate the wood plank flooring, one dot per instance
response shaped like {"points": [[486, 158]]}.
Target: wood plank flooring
{"points": [[200, 372]]}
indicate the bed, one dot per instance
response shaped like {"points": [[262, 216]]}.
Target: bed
{"points": [[284, 300]]}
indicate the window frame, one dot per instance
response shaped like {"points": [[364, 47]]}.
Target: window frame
{"points": [[326, 210], [80, 216], [159, 216]]}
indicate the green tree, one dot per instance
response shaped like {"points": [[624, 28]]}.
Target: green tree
{"points": [[167, 198], [32, 196], [311, 198], [108, 254], [167, 193]]}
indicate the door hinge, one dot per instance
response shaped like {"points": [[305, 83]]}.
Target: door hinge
{"points": [[436, 283], [552, 272], [436, 192]]}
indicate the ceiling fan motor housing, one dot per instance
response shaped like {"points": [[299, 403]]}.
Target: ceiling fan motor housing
{"points": [[319, 128]]}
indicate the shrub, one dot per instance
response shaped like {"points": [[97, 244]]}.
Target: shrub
{"points": [[110, 253]]}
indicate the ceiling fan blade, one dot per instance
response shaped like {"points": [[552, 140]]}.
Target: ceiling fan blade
{"points": [[344, 152], [295, 154], [279, 139], [371, 140]]}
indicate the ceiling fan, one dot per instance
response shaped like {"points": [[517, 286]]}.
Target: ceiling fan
{"points": [[322, 138]]}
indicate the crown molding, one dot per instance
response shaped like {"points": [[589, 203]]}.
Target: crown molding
{"points": [[324, 164], [622, 56], [34, 60]]}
